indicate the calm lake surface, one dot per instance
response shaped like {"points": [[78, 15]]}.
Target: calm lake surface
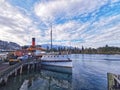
{"points": [[40, 80], [89, 73]]}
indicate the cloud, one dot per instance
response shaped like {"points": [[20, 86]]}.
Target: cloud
{"points": [[60, 9], [75, 22], [96, 34], [14, 25], [102, 32]]}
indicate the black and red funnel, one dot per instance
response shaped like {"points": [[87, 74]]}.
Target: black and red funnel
{"points": [[33, 42]]}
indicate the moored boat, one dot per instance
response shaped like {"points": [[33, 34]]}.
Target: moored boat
{"points": [[55, 58], [57, 62]]}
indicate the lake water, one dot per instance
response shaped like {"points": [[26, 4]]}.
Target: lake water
{"points": [[40, 80], [89, 73]]}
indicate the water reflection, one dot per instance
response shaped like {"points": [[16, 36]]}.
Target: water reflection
{"points": [[51, 81], [90, 71], [42, 80]]}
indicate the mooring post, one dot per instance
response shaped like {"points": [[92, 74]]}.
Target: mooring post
{"points": [[39, 65], [21, 69], [15, 72], [110, 81], [33, 66], [28, 66], [5, 80]]}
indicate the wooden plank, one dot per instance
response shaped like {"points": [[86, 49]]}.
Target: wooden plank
{"points": [[24, 85], [118, 81], [113, 81]]}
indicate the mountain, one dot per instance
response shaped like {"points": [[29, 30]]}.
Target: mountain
{"points": [[54, 46], [4, 45], [49, 45], [46, 46]]}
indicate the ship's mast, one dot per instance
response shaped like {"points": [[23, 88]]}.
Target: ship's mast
{"points": [[51, 37]]}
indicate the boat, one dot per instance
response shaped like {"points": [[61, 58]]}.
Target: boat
{"points": [[51, 57], [56, 61]]}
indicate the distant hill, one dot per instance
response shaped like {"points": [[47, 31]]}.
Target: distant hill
{"points": [[46, 46], [4, 45], [55, 46], [49, 45]]}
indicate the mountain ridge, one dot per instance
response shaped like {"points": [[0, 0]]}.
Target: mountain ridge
{"points": [[5, 45]]}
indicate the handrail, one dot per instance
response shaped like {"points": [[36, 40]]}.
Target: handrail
{"points": [[6, 71], [118, 80], [10, 68]]}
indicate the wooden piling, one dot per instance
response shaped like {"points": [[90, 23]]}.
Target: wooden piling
{"points": [[13, 70], [21, 69]]}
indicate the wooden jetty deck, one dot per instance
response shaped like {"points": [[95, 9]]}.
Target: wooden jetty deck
{"points": [[8, 70]]}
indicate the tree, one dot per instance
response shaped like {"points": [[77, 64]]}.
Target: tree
{"points": [[82, 50]]}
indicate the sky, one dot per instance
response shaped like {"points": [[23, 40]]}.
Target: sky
{"points": [[88, 23]]}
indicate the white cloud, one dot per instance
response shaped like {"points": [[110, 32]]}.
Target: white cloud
{"points": [[65, 8], [73, 30], [105, 31], [102, 33], [114, 1], [15, 26], [18, 27]]}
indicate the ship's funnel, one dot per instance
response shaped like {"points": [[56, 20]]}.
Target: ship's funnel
{"points": [[33, 42]]}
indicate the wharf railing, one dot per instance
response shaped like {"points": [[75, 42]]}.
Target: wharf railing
{"points": [[113, 81], [4, 74], [10, 68]]}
